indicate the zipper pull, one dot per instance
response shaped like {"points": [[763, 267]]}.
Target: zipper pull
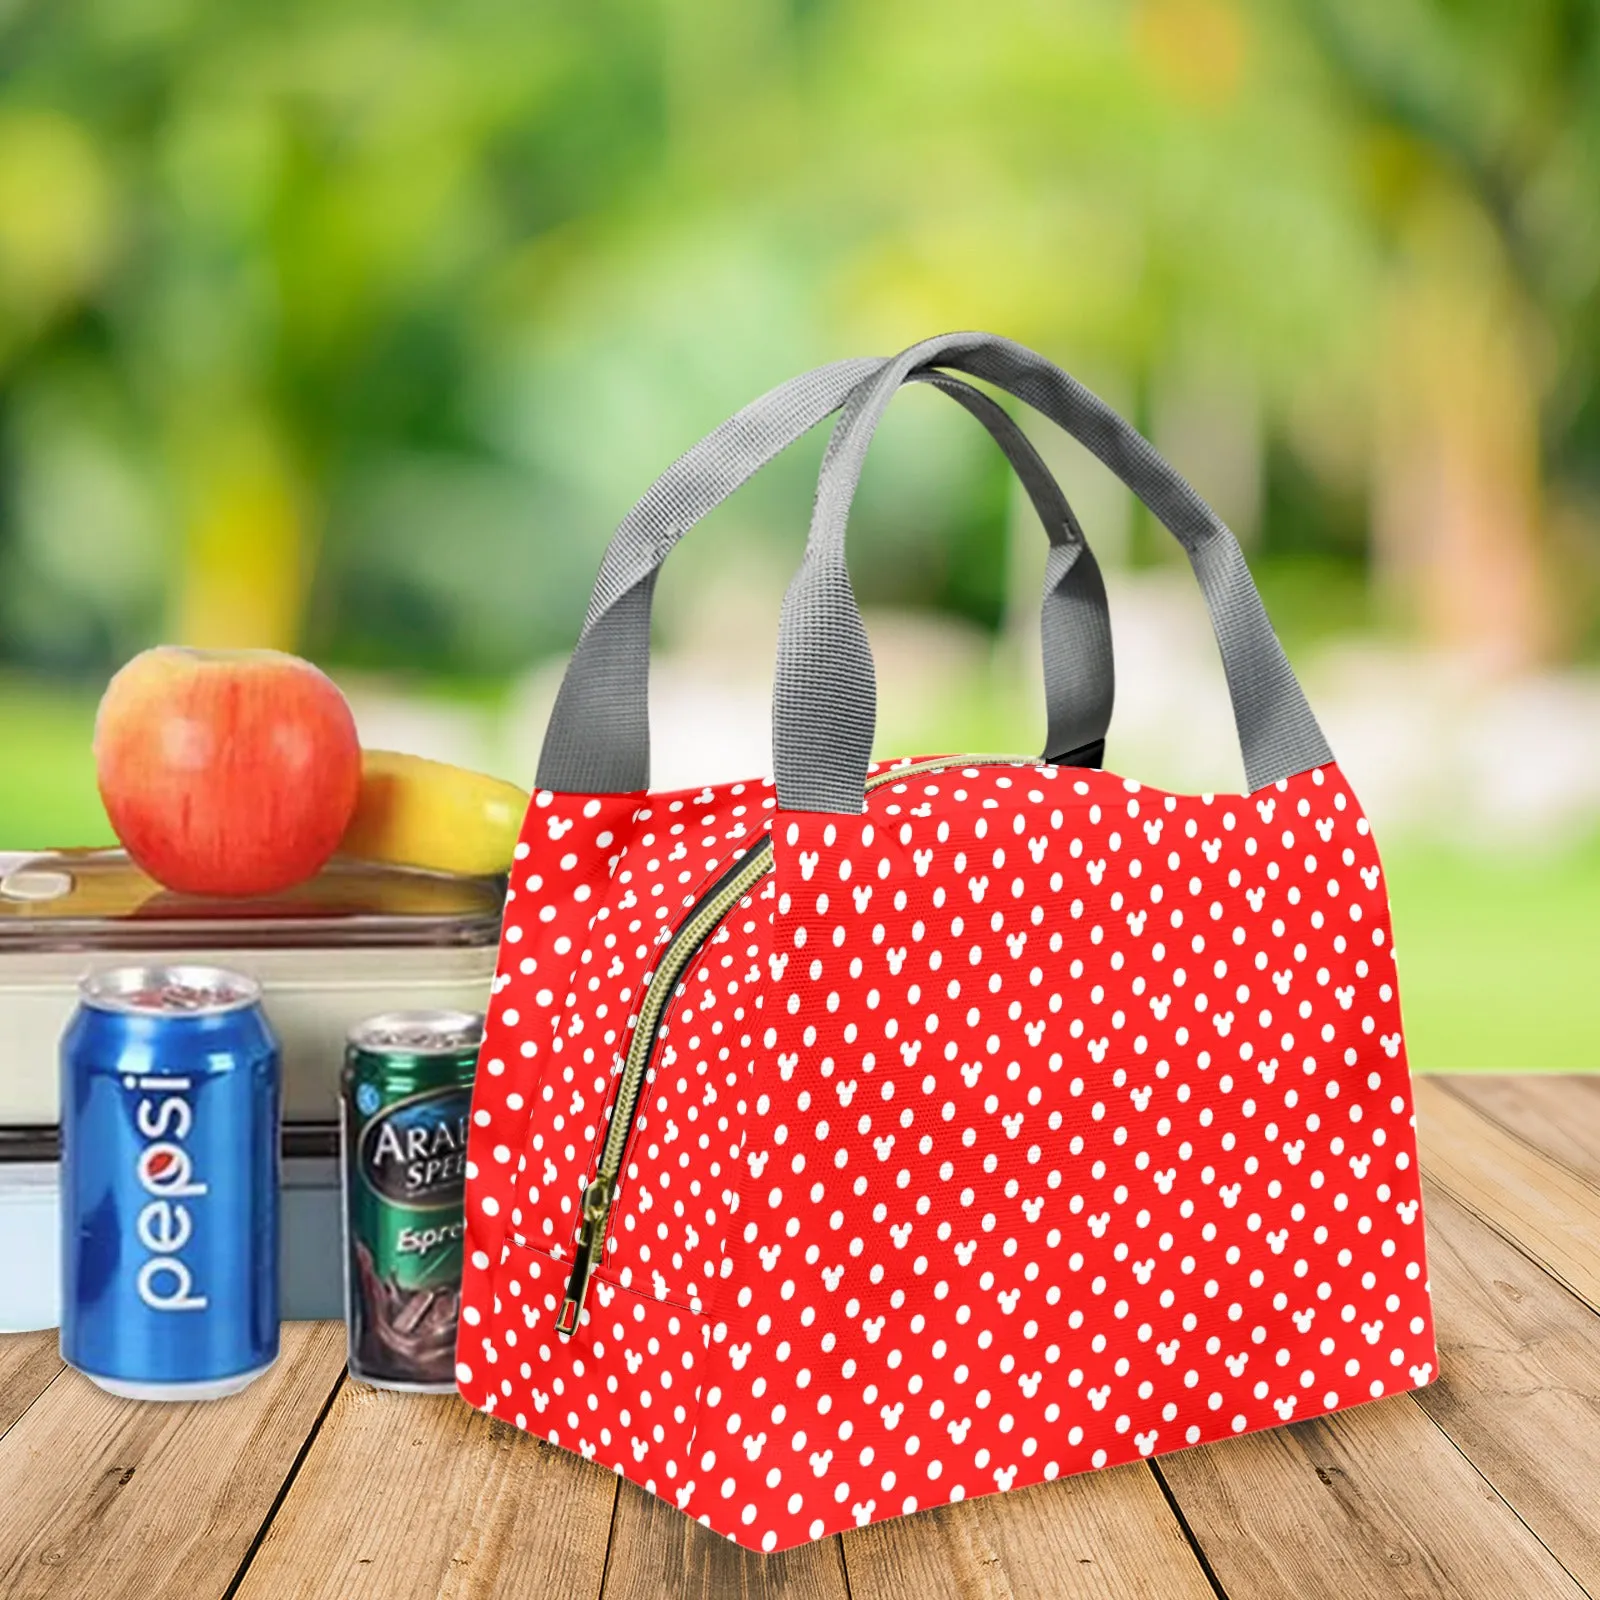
{"points": [[591, 1240]]}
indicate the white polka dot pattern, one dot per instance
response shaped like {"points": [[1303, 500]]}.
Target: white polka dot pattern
{"points": [[1031, 1122]]}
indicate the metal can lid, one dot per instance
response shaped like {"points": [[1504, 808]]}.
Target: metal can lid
{"points": [[422, 1033], [179, 991]]}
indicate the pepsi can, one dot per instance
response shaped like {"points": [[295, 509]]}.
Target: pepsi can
{"points": [[170, 1093]]}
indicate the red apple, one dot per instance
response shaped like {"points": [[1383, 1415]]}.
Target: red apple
{"points": [[226, 772]]}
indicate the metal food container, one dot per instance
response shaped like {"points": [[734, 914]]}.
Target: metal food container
{"points": [[355, 940]]}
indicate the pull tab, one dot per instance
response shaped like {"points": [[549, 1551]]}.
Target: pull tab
{"points": [[591, 1240]]}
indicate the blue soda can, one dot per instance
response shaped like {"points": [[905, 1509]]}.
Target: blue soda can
{"points": [[170, 1094]]}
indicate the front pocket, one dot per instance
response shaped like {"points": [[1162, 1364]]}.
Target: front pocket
{"points": [[573, 1015], [688, 965]]}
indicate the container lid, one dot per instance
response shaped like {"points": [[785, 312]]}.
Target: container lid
{"points": [[98, 900]]}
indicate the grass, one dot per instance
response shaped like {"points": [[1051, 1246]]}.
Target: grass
{"points": [[47, 788], [1498, 959]]}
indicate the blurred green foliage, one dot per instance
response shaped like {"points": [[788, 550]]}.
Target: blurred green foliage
{"points": [[355, 326]]}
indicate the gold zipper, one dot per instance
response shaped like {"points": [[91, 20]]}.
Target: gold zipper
{"points": [[685, 944]]}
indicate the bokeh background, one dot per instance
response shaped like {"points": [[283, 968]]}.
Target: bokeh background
{"points": [[354, 327]]}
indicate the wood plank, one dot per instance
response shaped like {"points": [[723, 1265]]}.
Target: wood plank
{"points": [[657, 1553], [1520, 1387], [110, 1497], [1542, 1207], [29, 1363], [406, 1496], [1558, 1114], [1103, 1534], [1374, 1501]]}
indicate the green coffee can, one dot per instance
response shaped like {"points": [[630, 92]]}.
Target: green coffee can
{"points": [[407, 1096]]}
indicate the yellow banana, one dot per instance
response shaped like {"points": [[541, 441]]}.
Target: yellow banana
{"points": [[418, 813]]}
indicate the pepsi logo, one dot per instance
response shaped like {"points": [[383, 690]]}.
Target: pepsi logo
{"points": [[155, 1163], [165, 1168]]}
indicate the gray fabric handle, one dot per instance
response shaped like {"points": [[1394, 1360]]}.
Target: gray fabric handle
{"points": [[1074, 617], [598, 737], [824, 693]]}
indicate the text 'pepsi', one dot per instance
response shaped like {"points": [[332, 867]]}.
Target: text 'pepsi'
{"points": [[170, 1096]]}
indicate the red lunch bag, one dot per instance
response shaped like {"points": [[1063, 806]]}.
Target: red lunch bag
{"points": [[891, 1133]]}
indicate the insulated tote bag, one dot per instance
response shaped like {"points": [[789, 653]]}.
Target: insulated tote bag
{"points": [[896, 1133]]}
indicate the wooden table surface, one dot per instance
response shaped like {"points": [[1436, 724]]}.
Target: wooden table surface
{"points": [[1484, 1486]]}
